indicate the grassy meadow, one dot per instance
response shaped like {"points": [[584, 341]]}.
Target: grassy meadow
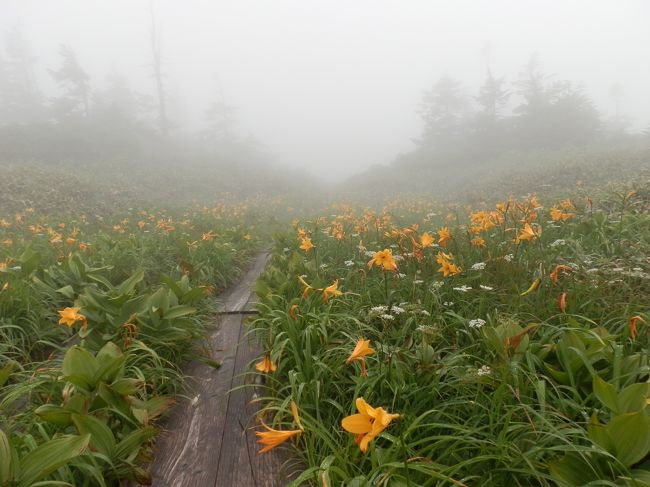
{"points": [[503, 343], [498, 338]]}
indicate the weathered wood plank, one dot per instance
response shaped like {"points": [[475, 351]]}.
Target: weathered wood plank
{"points": [[188, 452]]}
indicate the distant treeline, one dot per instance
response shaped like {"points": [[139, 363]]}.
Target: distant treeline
{"points": [[532, 112]]}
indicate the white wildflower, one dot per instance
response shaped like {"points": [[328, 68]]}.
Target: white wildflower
{"points": [[397, 310], [435, 285], [508, 257], [448, 303], [484, 370], [558, 242], [349, 263], [486, 288], [476, 323], [388, 317], [479, 266], [463, 289]]}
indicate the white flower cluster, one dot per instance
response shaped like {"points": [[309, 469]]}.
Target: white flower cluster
{"points": [[486, 288], [349, 263], [479, 266], [369, 253], [397, 310], [435, 285], [558, 242], [484, 370], [463, 289], [476, 323], [379, 309], [448, 303], [508, 257]]}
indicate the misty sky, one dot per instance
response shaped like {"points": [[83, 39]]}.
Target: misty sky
{"points": [[333, 85]]}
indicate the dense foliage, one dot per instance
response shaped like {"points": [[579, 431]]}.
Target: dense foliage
{"points": [[512, 340]]}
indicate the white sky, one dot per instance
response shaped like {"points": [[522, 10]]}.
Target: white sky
{"points": [[332, 85]]}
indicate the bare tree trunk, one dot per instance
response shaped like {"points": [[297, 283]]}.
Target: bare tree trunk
{"points": [[158, 75]]}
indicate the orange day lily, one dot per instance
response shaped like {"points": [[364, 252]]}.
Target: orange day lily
{"points": [[306, 287], [558, 268], [633, 321], [384, 259], [561, 302], [331, 291], [444, 236], [69, 316], [527, 233], [272, 437], [266, 365], [361, 350], [306, 244], [426, 240], [292, 311], [368, 423]]}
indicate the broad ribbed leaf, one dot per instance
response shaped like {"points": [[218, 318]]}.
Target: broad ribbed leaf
{"points": [[51, 455]]}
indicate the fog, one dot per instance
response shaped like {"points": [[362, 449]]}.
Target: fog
{"points": [[333, 87]]}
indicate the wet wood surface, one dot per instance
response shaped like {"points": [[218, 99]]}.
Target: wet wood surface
{"points": [[208, 440]]}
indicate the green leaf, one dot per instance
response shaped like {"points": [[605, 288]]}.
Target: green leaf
{"points": [[101, 437], [606, 393], [132, 442], [5, 459], [5, 372], [572, 471], [178, 311], [79, 367], [634, 397], [129, 285], [630, 435], [67, 291], [50, 456], [54, 414]]}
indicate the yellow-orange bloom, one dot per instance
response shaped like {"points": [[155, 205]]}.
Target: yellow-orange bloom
{"points": [[69, 316], [447, 268], [444, 236], [527, 233], [556, 272], [272, 437], [478, 242], [306, 244], [383, 258], [331, 291], [426, 240], [209, 236], [633, 321], [361, 350], [306, 287], [368, 423], [266, 365]]}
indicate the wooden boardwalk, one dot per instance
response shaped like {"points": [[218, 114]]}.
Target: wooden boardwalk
{"points": [[208, 440]]}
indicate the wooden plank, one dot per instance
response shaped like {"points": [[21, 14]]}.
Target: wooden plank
{"points": [[187, 452]]}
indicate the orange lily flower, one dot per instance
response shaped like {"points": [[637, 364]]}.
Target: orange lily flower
{"points": [[306, 287], [444, 236], [633, 321], [426, 240], [368, 423], [562, 302], [555, 274], [69, 316], [331, 291], [361, 350], [306, 244], [272, 437], [383, 258], [266, 365]]}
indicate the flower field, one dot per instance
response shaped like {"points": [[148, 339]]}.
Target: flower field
{"points": [[426, 344], [97, 313]]}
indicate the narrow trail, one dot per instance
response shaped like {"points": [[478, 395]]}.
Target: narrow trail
{"points": [[207, 441]]}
